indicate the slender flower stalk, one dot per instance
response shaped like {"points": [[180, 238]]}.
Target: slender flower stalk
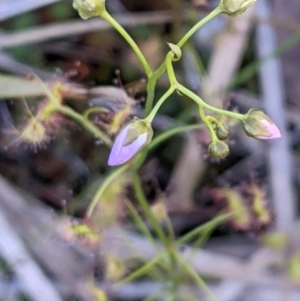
{"points": [[67, 111], [156, 74], [96, 8], [106, 16], [108, 180]]}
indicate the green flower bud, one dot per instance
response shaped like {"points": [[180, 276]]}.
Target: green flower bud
{"points": [[89, 8], [218, 149], [222, 132], [235, 7], [258, 125], [137, 128]]}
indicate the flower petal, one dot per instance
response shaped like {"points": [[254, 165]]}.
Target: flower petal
{"points": [[272, 129], [117, 146], [126, 152]]}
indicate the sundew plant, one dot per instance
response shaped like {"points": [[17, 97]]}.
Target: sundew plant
{"points": [[130, 142], [130, 145]]}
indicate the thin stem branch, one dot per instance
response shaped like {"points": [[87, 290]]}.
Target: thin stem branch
{"points": [[196, 232], [171, 132], [198, 279], [102, 188], [146, 208], [170, 69], [202, 103], [84, 122], [208, 124], [154, 111], [106, 16], [94, 110], [156, 74], [151, 87], [197, 26], [168, 244]]}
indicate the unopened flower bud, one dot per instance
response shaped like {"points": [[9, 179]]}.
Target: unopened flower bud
{"points": [[89, 8], [258, 125], [222, 132], [218, 149], [235, 7], [130, 140]]}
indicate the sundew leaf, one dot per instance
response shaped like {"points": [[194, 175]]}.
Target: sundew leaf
{"points": [[14, 86]]}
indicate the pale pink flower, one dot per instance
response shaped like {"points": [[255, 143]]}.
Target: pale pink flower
{"points": [[272, 129], [138, 133]]}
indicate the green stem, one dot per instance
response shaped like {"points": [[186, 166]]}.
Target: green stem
{"points": [[156, 74], [170, 228], [102, 188], [159, 103], [214, 120], [85, 123], [190, 270], [169, 133], [146, 208], [208, 124], [197, 26], [196, 232], [202, 103], [169, 246], [94, 110], [151, 87], [166, 135], [140, 223], [143, 270], [51, 97], [106, 16], [170, 69]]}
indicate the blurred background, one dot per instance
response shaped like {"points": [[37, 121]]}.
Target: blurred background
{"points": [[237, 63]]}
